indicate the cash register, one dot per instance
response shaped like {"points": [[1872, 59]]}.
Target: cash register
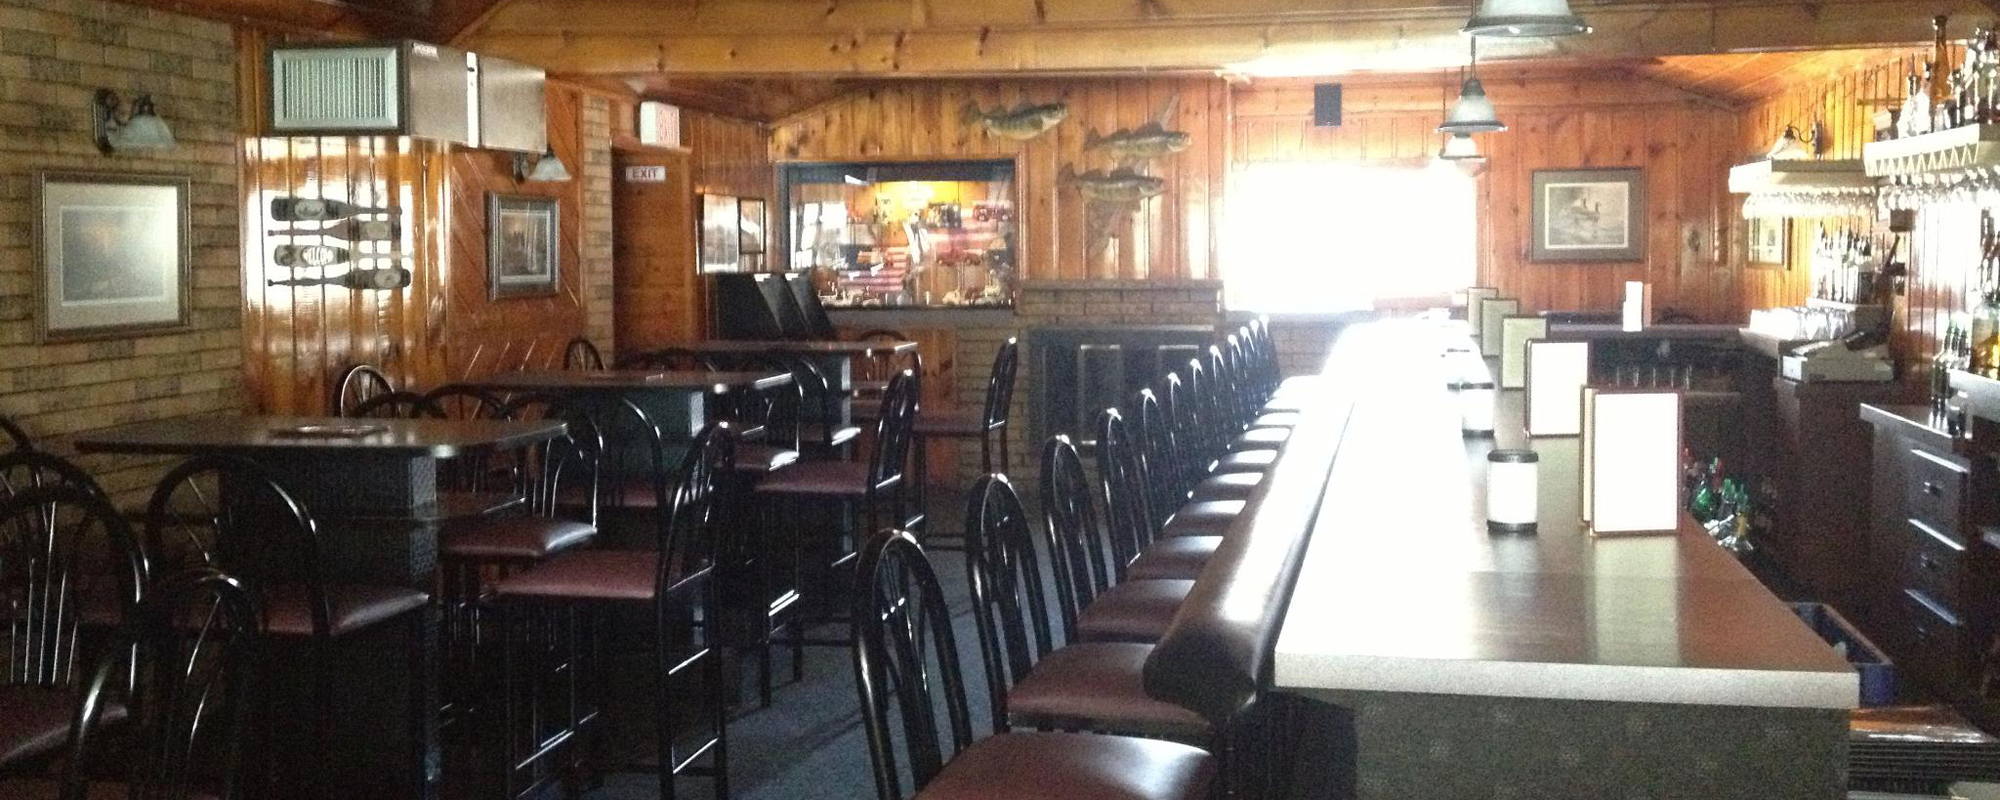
{"points": [[1859, 357]]}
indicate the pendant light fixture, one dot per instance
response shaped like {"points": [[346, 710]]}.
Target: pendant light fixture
{"points": [[1458, 148], [1473, 113], [1525, 18]]}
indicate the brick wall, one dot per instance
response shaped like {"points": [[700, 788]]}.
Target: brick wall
{"points": [[53, 55], [597, 232]]}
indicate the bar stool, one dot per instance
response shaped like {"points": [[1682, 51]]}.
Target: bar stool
{"points": [[1094, 686], [673, 581], [74, 573], [1133, 610], [581, 354], [902, 624], [989, 426], [1075, 539], [257, 532], [754, 586], [358, 385]]}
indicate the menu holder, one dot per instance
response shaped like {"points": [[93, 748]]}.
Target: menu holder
{"points": [[1491, 311], [1556, 375], [1631, 461], [1515, 331], [1472, 297], [351, 431]]}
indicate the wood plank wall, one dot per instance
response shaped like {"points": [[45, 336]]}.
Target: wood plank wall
{"points": [[1942, 253], [298, 340], [1172, 237], [1683, 142]]}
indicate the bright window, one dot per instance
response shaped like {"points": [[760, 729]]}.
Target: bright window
{"points": [[1316, 237]]}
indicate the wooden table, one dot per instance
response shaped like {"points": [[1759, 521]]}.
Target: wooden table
{"points": [[375, 496], [835, 359], [1548, 665], [678, 401]]}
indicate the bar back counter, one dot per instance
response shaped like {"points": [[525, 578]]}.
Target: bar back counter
{"points": [[1420, 656]]}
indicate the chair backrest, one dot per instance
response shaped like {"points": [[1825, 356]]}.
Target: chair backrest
{"points": [[881, 366], [229, 513], [1199, 435], [358, 385], [906, 666], [1238, 388], [396, 405], [1222, 410], [459, 401], [1073, 532], [563, 468], [582, 354], [1121, 467], [21, 470], [670, 358], [12, 436], [768, 415], [1005, 578], [67, 561], [889, 462], [187, 699], [1169, 476], [639, 459], [692, 525]]}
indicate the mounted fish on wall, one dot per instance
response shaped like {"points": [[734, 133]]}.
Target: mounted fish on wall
{"points": [[1117, 193], [1020, 123]]}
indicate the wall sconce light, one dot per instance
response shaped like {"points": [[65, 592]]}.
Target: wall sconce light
{"points": [[141, 129], [1792, 145], [545, 168]]}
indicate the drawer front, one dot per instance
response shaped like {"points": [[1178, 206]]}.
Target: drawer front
{"points": [[1938, 642], [1935, 489], [1936, 566]]}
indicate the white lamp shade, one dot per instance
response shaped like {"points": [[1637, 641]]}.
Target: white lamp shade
{"points": [[1525, 18], [549, 169], [1472, 113], [1789, 146], [1459, 147], [142, 132]]}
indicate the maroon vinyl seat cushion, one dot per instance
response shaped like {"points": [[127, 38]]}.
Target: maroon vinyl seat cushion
{"points": [[588, 575], [453, 505], [1073, 766], [50, 789], [34, 723], [1098, 686], [1228, 486], [514, 538], [288, 610], [1178, 558], [1133, 611], [634, 493], [1209, 518], [1247, 461], [1260, 439], [814, 434], [819, 479], [759, 458]]}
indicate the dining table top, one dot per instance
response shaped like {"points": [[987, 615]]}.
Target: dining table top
{"points": [[252, 436], [799, 347], [706, 381]]}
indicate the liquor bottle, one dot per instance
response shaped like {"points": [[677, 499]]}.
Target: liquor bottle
{"points": [[306, 209], [352, 230], [309, 255], [378, 279], [1939, 75], [1916, 119]]}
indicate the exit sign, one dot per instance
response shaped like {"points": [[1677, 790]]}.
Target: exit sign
{"points": [[645, 174]]}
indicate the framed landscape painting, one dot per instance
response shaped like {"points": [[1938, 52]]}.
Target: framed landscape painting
{"points": [[522, 256], [112, 254], [1588, 215], [1765, 241]]}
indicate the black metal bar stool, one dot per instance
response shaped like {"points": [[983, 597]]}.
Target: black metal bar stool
{"points": [[988, 426]]}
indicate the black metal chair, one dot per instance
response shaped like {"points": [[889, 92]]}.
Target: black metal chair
{"points": [[165, 715], [906, 667], [988, 426], [582, 354], [459, 401], [228, 513], [671, 359], [21, 470], [756, 579], [672, 580], [71, 574], [359, 384], [395, 405], [12, 435], [1094, 686]]}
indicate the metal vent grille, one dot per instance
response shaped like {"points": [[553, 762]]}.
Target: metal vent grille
{"points": [[335, 89]]}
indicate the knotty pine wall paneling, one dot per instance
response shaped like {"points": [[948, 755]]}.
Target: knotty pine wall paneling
{"points": [[1682, 141], [298, 340], [1172, 237]]}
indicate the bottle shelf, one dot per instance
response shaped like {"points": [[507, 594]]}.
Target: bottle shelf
{"points": [[1963, 149]]}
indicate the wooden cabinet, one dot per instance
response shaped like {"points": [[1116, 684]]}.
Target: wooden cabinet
{"points": [[1931, 560], [1818, 459]]}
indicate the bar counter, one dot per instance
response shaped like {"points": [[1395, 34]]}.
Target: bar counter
{"points": [[1553, 664]]}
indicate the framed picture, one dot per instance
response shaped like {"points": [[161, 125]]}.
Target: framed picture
{"points": [[721, 234], [1765, 241], [112, 250], [522, 255], [1588, 215], [750, 229]]}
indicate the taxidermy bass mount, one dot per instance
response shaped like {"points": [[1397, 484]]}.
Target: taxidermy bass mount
{"points": [[1020, 123], [1117, 193]]}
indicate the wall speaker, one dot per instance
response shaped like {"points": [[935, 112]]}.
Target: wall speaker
{"points": [[1326, 105]]}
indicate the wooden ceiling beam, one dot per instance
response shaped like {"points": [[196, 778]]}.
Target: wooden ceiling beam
{"points": [[336, 18], [662, 40]]}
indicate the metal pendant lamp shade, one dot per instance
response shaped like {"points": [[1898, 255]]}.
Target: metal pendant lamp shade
{"points": [[1525, 18], [1473, 113], [1459, 147]]}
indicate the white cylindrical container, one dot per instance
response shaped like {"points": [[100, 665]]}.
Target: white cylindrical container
{"points": [[1512, 490], [1475, 400]]}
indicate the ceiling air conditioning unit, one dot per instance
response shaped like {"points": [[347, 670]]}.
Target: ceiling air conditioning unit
{"points": [[659, 124], [397, 89]]}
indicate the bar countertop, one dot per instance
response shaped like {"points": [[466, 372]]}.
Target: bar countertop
{"points": [[1403, 589]]}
